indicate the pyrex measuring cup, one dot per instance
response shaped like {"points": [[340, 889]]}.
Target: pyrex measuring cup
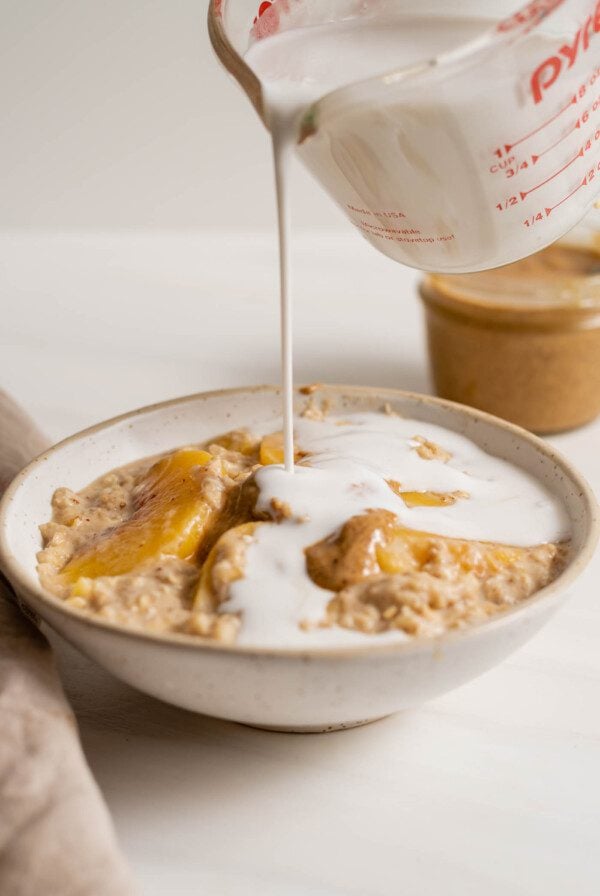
{"points": [[473, 159]]}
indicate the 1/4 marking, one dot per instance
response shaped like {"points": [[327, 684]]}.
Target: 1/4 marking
{"points": [[533, 219]]}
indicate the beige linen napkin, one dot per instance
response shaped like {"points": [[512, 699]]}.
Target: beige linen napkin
{"points": [[56, 837]]}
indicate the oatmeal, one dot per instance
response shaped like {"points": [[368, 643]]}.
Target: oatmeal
{"points": [[387, 528]]}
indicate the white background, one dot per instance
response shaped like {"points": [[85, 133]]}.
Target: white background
{"points": [[116, 114]]}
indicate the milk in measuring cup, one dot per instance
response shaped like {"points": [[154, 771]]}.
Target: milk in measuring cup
{"points": [[298, 67], [454, 143]]}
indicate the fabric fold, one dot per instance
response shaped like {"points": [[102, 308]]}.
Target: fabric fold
{"points": [[56, 835]]}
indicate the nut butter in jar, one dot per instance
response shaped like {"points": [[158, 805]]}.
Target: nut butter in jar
{"points": [[522, 341]]}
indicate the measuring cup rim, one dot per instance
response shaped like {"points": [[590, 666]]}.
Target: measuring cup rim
{"points": [[508, 31], [459, 57]]}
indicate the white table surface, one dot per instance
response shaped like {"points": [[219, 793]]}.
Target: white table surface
{"points": [[493, 789]]}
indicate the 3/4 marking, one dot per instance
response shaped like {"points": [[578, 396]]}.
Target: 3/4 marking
{"points": [[515, 169]]}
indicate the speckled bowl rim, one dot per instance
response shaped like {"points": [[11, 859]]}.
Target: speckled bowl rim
{"points": [[15, 573]]}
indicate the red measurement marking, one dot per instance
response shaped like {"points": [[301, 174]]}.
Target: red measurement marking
{"points": [[262, 10], [583, 183], [556, 173], [509, 146], [576, 126], [531, 15], [583, 119]]}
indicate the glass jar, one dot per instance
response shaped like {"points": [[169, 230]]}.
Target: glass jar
{"points": [[522, 341]]}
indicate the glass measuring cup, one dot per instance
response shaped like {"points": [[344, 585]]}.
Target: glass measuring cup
{"points": [[476, 158]]}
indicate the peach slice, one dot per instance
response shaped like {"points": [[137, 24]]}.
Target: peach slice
{"points": [[426, 499], [223, 566], [374, 543], [240, 440], [431, 499], [271, 450], [170, 517], [410, 550]]}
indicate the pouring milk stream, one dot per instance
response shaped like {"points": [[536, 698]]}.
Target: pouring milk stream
{"points": [[453, 142], [298, 67]]}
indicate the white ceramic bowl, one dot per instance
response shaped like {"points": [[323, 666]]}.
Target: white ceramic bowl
{"points": [[287, 689]]}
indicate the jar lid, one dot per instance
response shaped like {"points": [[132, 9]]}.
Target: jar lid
{"points": [[564, 275]]}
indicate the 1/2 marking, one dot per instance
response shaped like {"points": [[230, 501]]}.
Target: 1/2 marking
{"points": [[507, 203]]}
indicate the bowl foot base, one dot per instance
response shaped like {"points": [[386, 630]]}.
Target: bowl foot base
{"points": [[315, 729]]}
